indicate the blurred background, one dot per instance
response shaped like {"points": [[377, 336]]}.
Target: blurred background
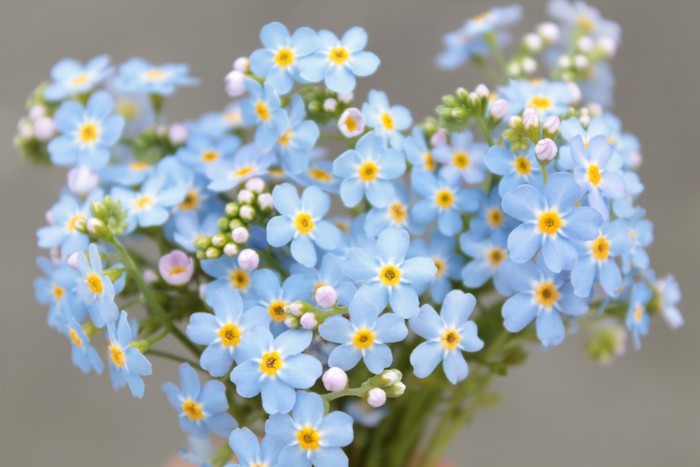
{"points": [[559, 408]]}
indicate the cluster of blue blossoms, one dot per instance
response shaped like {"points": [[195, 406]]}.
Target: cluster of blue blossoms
{"points": [[307, 275]]}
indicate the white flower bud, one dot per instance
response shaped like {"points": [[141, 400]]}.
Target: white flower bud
{"points": [[635, 160], [240, 235], [346, 97], [150, 276], [585, 44], [25, 129], [551, 124], [265, 201], [376, 397], [161, 130], [585, 120], [72, 260], [529, 65], [37, 111], [44, 128], [398, 389], [391, 377], [308, 321], [546, 149], [549, 32], [256, 185], [235, 83], [230, 250], [564, 61], [499, 108], [241, 64], [294, 309], [177, 134], [439, 138], [330, 104], [94, 226], [513, 121], [474, 98], [245, 197], [81, 180], [608, 46], [326, 296], [247, 213], [482, 91], [596, 109], [574, 90], [513, 69], [289, 322], [248, 259], [335, 379], [581, 62], [533, 42], [351, 122], [530, 118]]}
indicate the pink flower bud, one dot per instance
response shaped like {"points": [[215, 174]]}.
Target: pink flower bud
{"points": [[37, 111], [177, 134], [439, 138], [94, 226], [72, 260], [376, 397], [308, 321], [581, 62], [247, 213], [240, 235], [585, 120], [585, 44], [346, 97], [546, 149], [25, 128], [635, 160], [161, 130], [235, 86], [533, 42], [529, 65], [482, 91], [330, 104], [265, 201], [608, 46], [245, 197], [176, 268], [81, 180], [44, 128], [530, 118], [290, 323], [574, 90], [248, 259], [351, 122], [230, 250], [241, 64], [335, 379], [149, 276], [549, 32], [551, 124], [499, 108], [294, 309], [256, 185], [326, 296]]}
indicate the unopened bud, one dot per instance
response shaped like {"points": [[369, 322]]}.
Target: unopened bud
{"points": [[546, 149], [346, 97], [391, 377], [265, 201], [245, 197], [294, 308], [255, 184], [213, 253], [513, 69], [248, 259], [551, 125], [81, 180], [585, 44], [482, 91], [533, 42], [439, 138], [530, 118], [326, 296], [499, 108], [581, 62], [549, 32], [330, 104], [72, 259], [44, 128], [235, 83], [240, 235], [177, 134], [219, 240], [396, 390], [335, 379], [37, 111], [149, 276], [241, 64], [376, 397], [607, 46], [95, 227], [232, 209], [308, 321], [529, 65], [585, 120], [247, 213], [230, 250]]}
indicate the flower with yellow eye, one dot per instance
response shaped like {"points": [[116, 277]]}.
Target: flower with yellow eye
{"points": [[363, 336], [202, 150], [544, 97], [87, 134], [637, 315], [274, 298], [56, 286], [226, 332], [151, 205], [248, 162], [447, 336], [442, 199], [141, 77], [301, 223], [250, 451], [418, 151], [126, 363], [390, 278], [278, 60], [490, 221], [338, 61], [551, 219], [83, 355], [66, 217], [298, 141], [71, 78], [96, 289], [395, 214], [487, 258], [201, 409], [516, 168], [264, 110], [388, 121], [449, 264], [276, 367], [367, 170], [463, 158], [539, 294]]}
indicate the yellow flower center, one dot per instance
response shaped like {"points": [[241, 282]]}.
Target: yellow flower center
{"points": [[95, 283], [460, 160], [585, 23], [191, 200], [388, 121], [209, 156], [550, 222], [482, 17], [350, 123], [304, 223], [450, 339], [143, 202], [397, 212], [600, 248], [389, 275], [541, 102], [262, 111], [89, 132], [243, 171], [445, 198], [284, 58], [192, 409], [239, 279], [495, 256], [546, 294], [440, 265], [308, 438], [363, 339], [276, 310], [71, 224], [176, 270], [638, 313], [230, 335], [320, 175], [156, 74], [428, 161], [75, 338], [80, 79], [138, 166], [523, 165], [58, 292], [271, 363], [117, 355], [494, 217], [284, 139], [339, 55], [594, 174], [368, 171]]}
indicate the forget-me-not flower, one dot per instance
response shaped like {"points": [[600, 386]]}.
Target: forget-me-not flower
{"points": [[462, 158], [126, 364], [83, 355], [516, 168], [638, 318], [251, 452], [264, 109], [249, 161], [388, 121], [139, 76], [151, 205], [297, 142], [71, 78], [96, 289]]}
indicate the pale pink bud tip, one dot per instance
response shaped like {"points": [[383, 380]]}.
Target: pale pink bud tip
{"points": [[240, 235], [546, 149], [499, 108], [177, 133], [439, 138], [149, 276], [44, 128], [376, 397], [81, 180], [248, 259], [326, 296], [552, 124], [256, 185], [294, 309], [335, 379], [235, 86], [308, 321], [176, 268]]}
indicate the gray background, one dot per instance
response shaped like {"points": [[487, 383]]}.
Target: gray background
{"points": [[559, 409]]}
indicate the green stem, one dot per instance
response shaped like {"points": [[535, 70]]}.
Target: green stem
{"points": [[173, 357]]}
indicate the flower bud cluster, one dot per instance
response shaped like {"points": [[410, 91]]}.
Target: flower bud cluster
{"points": [[527, 128], [459, 109]]}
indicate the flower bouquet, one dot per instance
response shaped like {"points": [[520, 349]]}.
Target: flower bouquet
{"points": [[344, 282]]}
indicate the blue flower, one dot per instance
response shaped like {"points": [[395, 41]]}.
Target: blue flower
{"points": [[337, 62], [227, 332], [150, 205], [449, 265], [447, 335], [546, 97], [516, 169], [669, 295], [251, 452], [593, 172], [418, 151], [367, 169], [394, 214], [363, 336], [201, 410], [301, 222], [58, 285], [200, 453], [490, 220], [462, 159], [539, 294], [388, 276], [642, 233], [71, 78], [83, 355], [200, 150], [444, 200], [126, 364], [278, 62], [330, 274], [96, 289], [295, 145], [582, 16], [637, 316], [249, 161], [87, 133], [273, 297], [228, 276], [63, 230], [387, 121], [572, 127], [310, 437], [276, 367], [598, 260], [264, 109], [128, 172], [488, 256], [197, 197], [551, 220], [139, 76]]}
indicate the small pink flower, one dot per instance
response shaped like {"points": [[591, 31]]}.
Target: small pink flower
{"points": [[176, 268]]}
